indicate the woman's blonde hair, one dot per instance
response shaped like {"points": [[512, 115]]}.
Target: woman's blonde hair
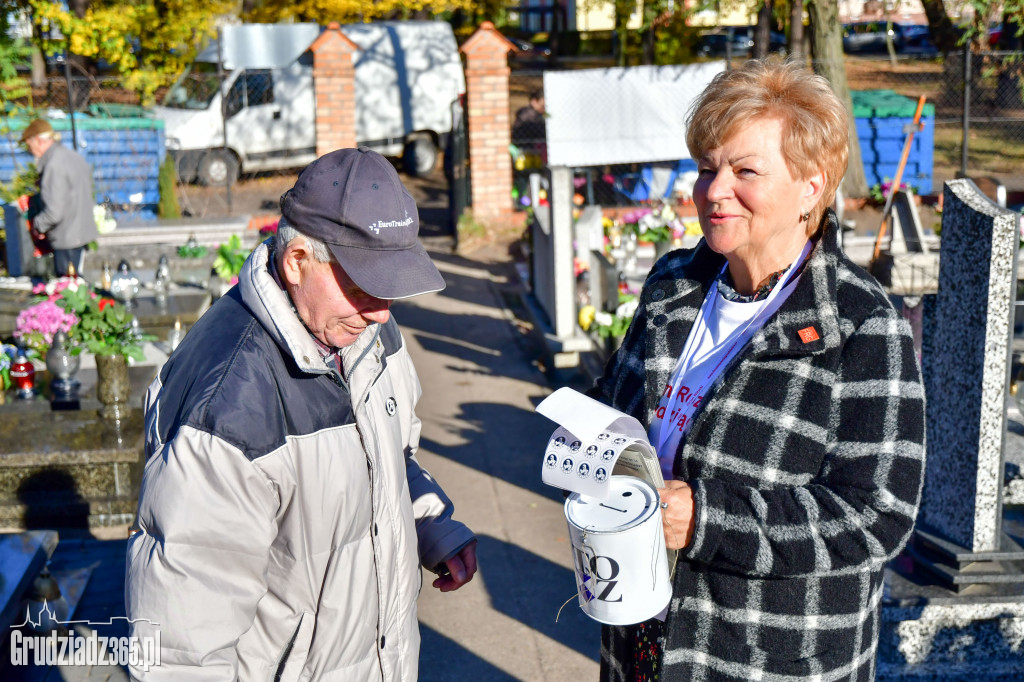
{"points": [[815, 124]]}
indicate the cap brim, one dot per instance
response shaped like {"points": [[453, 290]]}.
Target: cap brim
{"points": [[390, 275]]}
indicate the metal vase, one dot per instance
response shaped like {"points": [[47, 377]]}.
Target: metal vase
{"points": [[112, 385]]}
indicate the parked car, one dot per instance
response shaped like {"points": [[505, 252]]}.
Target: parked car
{"points": [[738, 40], [406, 80], [870, 36], [867, 36], [528, 51], [916, 39]]}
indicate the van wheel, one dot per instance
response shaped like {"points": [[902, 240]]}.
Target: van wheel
{"points": [[419, 157], [217, 168]]}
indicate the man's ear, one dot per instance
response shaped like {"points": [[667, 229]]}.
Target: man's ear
{"points": [[293, 258]]}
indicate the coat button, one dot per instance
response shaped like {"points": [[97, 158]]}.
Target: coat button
{"points": [[374, 528], [660, 320], [382, 641], [657, 294]]}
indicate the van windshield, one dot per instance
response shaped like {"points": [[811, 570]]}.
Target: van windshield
{"points": [[196, 87]]}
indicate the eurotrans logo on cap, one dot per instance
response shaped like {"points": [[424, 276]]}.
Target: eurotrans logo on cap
{"points": [[381, 224]]}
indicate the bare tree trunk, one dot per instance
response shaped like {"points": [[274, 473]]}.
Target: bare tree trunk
{"points": [[796, 30], [890, 48], [941, 29], [827, 50], [38, 68], [762, 35], [79, 7]]}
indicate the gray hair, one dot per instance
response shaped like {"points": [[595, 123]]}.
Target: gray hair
{"points": [[286, 233]]}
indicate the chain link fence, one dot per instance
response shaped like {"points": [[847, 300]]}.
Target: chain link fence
{"points": [[109, 129], [126, 163], [974, 98]]}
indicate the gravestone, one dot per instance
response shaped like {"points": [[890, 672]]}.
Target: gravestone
{"points": [[552, 301], [953, 606], [967, 372]]}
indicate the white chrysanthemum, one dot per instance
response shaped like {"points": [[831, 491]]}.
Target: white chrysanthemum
{"points": [[627, 309]]}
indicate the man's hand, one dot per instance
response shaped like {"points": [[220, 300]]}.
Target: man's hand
{"points": [[678, 517], [461, 569]]}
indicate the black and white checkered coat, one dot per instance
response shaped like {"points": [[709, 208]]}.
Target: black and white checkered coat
{"points": [[806, 460]]}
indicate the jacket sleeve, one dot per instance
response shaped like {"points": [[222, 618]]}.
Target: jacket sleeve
{"points": [[54, 193], [858, 511], [439, 536], [197, 566]]}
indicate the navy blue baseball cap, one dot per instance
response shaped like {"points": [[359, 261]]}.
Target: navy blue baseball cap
{"points": [[354, 202]]}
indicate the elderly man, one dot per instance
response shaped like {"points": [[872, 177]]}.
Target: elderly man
{"points": [[283, 516], [64, 218]]}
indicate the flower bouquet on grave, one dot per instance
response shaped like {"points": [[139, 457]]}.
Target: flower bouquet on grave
{"points": [[103, 326]]}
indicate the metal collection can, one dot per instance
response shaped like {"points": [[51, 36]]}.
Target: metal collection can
{"points": [[618, 548]]}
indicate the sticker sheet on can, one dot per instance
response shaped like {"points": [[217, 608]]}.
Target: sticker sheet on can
{"points": [[582, 466]]}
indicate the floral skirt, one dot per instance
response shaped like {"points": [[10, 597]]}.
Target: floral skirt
{"points": [[647, 644]]}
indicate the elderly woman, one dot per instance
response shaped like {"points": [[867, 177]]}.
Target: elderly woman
{"points": [[783, 395]]}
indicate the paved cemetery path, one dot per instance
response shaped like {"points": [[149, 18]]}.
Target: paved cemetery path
{"points": [[483, 441]]}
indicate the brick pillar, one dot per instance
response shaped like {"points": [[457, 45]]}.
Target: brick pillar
{"points": [[488, 117], [334, 84]]}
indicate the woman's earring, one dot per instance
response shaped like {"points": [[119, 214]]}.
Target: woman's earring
{"points": [[805, 216]]}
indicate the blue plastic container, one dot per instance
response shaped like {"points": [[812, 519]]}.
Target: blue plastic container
{"points": [[882, 117]]}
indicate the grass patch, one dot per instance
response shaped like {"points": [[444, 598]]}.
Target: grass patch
{"points": [[991, 148]]}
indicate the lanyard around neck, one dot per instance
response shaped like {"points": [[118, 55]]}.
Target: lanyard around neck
{"points": [[701, 328]]}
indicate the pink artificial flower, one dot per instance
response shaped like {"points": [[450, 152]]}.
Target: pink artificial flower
{"points": [[635, 216], [35, 326]]}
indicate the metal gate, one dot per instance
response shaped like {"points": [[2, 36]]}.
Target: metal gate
{"points": [[456, 168]]}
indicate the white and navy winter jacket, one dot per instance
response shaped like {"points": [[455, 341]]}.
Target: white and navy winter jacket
{"points": [[806, 459], [283, 517]]}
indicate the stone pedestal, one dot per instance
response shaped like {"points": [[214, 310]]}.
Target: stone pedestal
{"points": [[931, 633], [71, 469], [68, 469]]}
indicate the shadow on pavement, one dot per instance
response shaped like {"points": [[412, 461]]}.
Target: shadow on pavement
{"points": [[516, 436], [498, 345], [443, 660], [531, 589]]}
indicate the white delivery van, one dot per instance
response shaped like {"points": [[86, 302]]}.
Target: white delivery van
{"points": [[408, 74]]}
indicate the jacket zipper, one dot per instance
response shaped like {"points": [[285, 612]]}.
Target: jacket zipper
{"points": [[373, 508]]}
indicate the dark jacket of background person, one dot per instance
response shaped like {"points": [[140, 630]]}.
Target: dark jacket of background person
{"points": [[806, 462], [66, 199], [283, 514]]}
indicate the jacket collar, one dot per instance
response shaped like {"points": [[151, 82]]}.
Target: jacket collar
{"points": [[807, 323], [44, 160], [272, 307]]}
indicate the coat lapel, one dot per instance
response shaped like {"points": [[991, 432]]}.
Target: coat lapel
{"points": [[808, 321]]}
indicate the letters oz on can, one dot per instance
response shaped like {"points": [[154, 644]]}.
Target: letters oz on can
{"points": [[618, 549]]}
